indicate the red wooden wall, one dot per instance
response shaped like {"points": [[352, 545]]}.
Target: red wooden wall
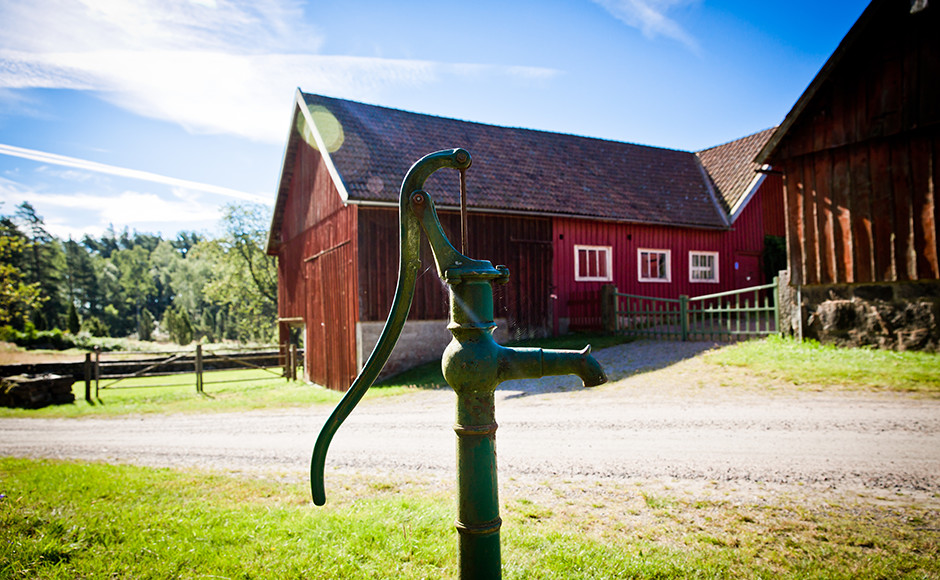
{"points": [[861, 160], [521, 243], [739, 256], [317, 274], [773, 210]]}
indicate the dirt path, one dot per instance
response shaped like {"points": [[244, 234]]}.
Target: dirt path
{"points": [[686, 422]]}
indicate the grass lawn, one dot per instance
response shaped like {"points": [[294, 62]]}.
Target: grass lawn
{"points": [[247, 389], [89, 520], [810, 363], [229, 390]]}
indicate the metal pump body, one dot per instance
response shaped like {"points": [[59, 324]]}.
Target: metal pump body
{"points": [[473, 364]]}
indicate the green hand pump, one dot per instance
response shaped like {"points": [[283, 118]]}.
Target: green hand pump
{"points": [[473, 364]]}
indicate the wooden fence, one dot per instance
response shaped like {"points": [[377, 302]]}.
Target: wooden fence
{"points": [[101, 373], [725, 316]]}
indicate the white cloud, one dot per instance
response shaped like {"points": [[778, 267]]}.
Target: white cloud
{"points": [[214, 67], [242, 26], [94, 166], [145, 211], [650, 17], [131, 207]]}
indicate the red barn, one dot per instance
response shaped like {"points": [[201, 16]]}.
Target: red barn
{"points": [[566, 214], [860, 152]]}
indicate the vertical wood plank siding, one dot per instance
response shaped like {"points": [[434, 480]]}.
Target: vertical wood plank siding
{"points": [[521, 243], [746, 239], [861, 160], [882, 199], [770, 198], [317, 277]]}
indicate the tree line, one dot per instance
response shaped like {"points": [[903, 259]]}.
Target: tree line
{"points": [[139, 284]]}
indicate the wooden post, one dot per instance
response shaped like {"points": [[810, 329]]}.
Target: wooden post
{"points": [[684, 316], [199, 368], [293, 362], [88, 372], [97, 371], [777, 302], [283, 358]]}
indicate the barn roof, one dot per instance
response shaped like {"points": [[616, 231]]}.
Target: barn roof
{"points": [[871, 22], [735, 175], [368, 149]]}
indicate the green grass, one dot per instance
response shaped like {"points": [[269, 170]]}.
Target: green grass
{"points": [[231, 390], [247, 389], [811, 363], [90, 520]]}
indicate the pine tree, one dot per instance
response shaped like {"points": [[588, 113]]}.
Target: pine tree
{"points": [[74, 325], [43, 265], [145, 325]]}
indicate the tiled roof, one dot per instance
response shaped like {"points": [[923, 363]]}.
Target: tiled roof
{"points": [[732, 167], [515, 170]]}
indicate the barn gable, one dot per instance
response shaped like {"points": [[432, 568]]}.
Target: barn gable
{"points": [[736, 176], [859, 151]]}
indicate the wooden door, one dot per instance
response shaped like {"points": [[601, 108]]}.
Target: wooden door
{"points": [[746, 270], [331, 326], [530, 289]]}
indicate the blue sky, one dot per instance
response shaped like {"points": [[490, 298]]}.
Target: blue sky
{"points": [[152, 114]]}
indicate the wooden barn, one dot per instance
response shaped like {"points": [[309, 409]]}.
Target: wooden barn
{"points": [[566, 214], [860, 158]]}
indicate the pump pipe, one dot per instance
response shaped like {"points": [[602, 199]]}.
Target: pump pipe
{"points": [[473, 364]]}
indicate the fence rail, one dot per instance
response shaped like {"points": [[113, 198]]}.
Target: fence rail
{"points": [[724, 316], [278, 360]]}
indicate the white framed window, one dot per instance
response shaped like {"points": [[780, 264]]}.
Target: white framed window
{"points": [[593, 264], [703, 267], [653, 265]]}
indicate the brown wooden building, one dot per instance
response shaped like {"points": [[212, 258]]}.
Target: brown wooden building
{"points": [[860, 158], [543, 204]]}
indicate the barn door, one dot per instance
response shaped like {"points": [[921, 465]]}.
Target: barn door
{"points": [[530, 280], [746, 270], [315, 354], [331, 332]]}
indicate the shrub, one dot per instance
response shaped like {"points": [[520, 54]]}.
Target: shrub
{"points": [[145, 325], [96, 327], [29, 337]]}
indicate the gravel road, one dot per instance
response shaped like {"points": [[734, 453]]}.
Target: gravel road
{"points": [[667, 415]]}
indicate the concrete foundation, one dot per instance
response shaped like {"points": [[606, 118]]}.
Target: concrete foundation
{"points": [[421, 341]]}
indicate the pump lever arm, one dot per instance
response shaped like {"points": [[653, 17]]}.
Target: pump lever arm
{"points": [[409, 264]]}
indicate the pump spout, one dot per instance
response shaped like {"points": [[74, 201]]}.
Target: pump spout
{"points": [[574, 362], [533, 363]]}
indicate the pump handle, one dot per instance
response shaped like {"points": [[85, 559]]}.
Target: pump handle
{"points": [[410, 262]]}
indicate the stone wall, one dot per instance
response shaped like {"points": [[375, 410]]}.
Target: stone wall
{"points": [[898, 316], [791, 319], [421, 341]]}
